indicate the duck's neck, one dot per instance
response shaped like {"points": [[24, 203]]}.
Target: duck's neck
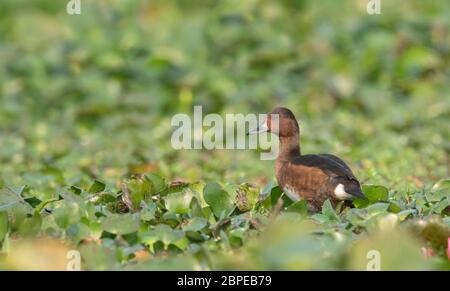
{"points": [[289, 148]]}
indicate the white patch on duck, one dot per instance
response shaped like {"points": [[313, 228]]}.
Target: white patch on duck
{"points": [[340, 193], [290, 192]]}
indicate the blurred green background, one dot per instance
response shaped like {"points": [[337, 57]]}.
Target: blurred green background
{"points": [[92, 95]]}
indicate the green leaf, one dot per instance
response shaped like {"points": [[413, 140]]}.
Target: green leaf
{"points": [[321, 218], [31, 225], [71, 197], [196, 209], [163, 233], [66, 213], [442, 185], [10, 198], [137, 189], [441, 205], [148, 213], [328, 211], [357, 217], [77, 232], [272, 197], [159, 184], [217, 199], [76, 190], [376, 193], [33, 201], [246, 197], [300, 207], [402, 215], [196, 224], [361, 202], [121, 223], [377, 208], [395, 207], [178, 202], [97, 187], [435, 196]]}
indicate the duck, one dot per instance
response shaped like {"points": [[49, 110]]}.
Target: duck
{"points": [[314, 178]]}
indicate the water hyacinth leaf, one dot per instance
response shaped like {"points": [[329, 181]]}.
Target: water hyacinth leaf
{"points": [[357, 217], [97, 187], [158, 182], [176, 186], [103, 198], [194, 236], [148, 212], [443, 185], [71, 197], [178, 202], [31, 225], [272, 197], [33, 201], [236, 236], [246, 197], [196, 224], [217, 199], [77, 232], [17, 189], [402, 215], [76, 190], [66, 213], [135, 190], [395, 207], [361, 202], [120, 224], [321, 218], [329, 212], [441, 206], [181, 243], [376, 208], [375, 193], [171, 218], [162, 233], [18, 213], [435, 196], [10, 198], [196, 209], [300, 207]]}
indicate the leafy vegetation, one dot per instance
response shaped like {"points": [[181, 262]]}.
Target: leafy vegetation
{"points": [[85, 155]]}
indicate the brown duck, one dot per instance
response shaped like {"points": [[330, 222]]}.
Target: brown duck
{"points": [[314, 178]]}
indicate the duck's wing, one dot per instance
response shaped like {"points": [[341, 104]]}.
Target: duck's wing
{"points": [[336, 170], [337, 160]]}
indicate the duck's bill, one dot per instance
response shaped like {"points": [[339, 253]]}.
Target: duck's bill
{"points": [[260, 129]]}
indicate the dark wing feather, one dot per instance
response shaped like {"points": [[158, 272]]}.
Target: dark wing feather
{"points": [[326, 164], [337, 160], [335, 168]]}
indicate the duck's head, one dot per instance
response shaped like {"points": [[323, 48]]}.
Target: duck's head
{"points": [[280, 121]]}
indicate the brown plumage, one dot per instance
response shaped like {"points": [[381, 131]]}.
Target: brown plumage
{"points": [[314, 178]]}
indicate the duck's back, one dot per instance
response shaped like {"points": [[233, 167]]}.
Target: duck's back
{"points": [[317, 178]]}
